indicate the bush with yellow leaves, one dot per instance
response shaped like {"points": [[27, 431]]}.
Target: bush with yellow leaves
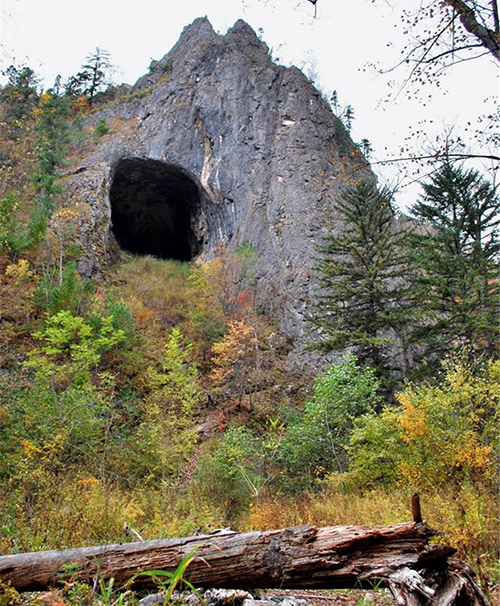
{"points": [[441, 434]]}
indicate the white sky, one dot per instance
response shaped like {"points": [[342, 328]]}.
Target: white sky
{"points": [[54, 37]]}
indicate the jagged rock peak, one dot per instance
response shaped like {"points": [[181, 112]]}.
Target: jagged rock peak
{"points": [[243, 32], [217, 145], [198, 42], [200, 31]]}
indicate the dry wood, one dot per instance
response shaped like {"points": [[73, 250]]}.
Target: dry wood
{"points": [[415, 508], [298, 558], [133, 534]]}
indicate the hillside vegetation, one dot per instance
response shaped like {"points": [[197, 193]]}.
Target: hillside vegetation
{"points": [[162, 397]]}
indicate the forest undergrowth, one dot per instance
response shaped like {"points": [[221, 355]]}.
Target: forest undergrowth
{"points": [[167, 405]]}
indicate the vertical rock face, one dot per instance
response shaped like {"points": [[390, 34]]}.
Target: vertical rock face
{"points": [[218, 145]]}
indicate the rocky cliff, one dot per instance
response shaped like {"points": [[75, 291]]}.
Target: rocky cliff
{"points": [[217, 145]]}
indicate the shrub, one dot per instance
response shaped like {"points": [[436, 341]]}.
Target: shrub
{"points": [[124, 321], [316, 443], [442, 434], [52, 428], [19, 273], [100, 129], [84, 342], [71, 293], [375, 451], [233, 471], [448, 430]]}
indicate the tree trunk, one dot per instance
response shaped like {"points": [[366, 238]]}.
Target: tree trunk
{"points": [[471, 20], [301, 557]]}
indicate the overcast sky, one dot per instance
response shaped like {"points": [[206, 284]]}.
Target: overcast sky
{"points": [[335, 49]]}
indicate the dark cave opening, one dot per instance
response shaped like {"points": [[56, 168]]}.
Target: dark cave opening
{"points": [[153, 208]]}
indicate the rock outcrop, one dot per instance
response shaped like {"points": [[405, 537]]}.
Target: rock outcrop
{"points": [[217, 145]]}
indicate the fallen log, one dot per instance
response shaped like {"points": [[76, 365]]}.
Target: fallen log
{"points": [[301, 557]]}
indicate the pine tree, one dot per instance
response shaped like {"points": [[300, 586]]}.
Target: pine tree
{"points": [[457, 254], [51, 127], [94, 76], [18, 97], [363, 298]]}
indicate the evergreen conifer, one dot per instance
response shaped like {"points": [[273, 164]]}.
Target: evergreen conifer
{"points": [[363, 277], [93, 77], [457, 254]]}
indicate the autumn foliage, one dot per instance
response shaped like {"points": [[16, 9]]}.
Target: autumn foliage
{"points": [[164, 395]]}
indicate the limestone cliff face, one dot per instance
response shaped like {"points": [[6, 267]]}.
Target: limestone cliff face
{"points": [[221, 144]]}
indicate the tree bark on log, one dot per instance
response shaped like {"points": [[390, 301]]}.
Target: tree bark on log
{"points": [[301, 557]]}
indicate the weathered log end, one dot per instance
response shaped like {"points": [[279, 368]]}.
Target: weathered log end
{"points": [[450, 586]]}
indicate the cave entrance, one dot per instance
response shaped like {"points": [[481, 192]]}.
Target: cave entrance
{"points": [[153, 209]]}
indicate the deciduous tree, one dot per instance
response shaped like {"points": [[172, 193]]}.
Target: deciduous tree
{"points": [[450, 28], [236, 360], [439, 434], [316, 443]]}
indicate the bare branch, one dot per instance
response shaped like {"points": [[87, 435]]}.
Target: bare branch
{"points": [[438, 156], [450, 51]]}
